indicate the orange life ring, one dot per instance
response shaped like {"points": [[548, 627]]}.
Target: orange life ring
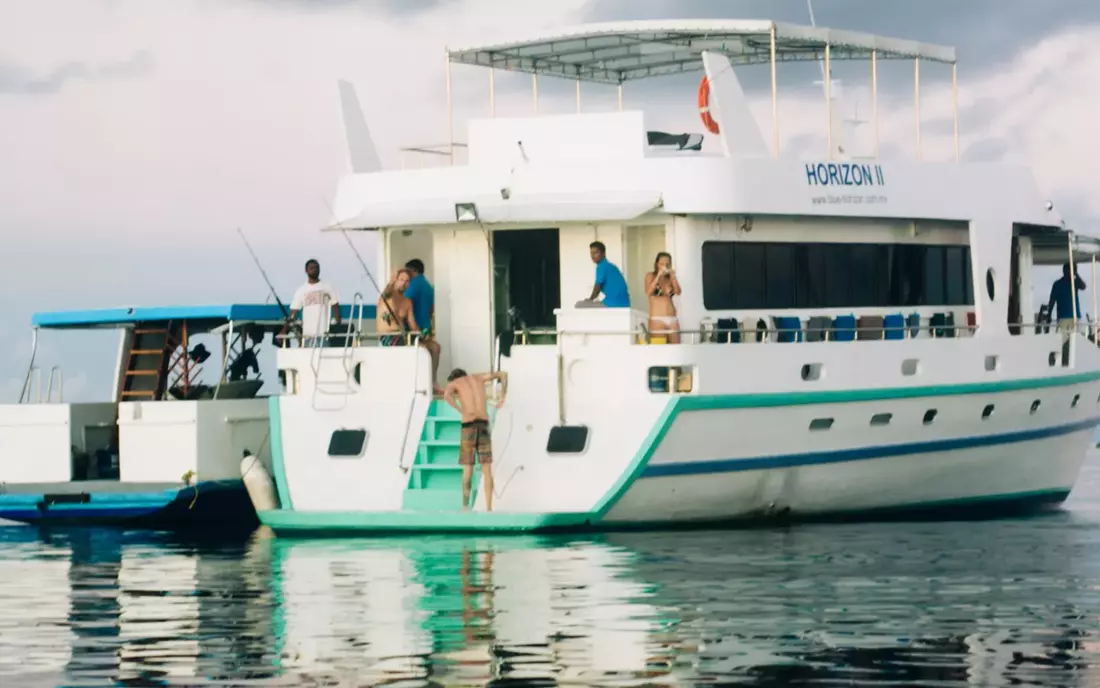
{"points": [[704, 106]]}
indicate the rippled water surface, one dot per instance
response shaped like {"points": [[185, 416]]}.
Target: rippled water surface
{"points": [[1009, 602]]}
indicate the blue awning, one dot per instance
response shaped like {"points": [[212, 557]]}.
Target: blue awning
{"points": [[201, 317]]}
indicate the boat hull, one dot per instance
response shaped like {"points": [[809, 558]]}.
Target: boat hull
{"points": [[994, 479], [222, 504], [972, 450]]}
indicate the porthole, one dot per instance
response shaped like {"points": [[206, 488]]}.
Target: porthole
{"points": [[910, 367], [1052, 360], [992, 363], [930, 416], [987, 412], [990, 286], [821, 424], [880, 419], [1076, 400], [811, 372], [1035, 406]]}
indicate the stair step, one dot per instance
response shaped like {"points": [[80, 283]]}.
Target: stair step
{"points": [[144, 331], [432, 499], [142, 372], [455, 444], [138, 393], [435, 467], [146, 352]]}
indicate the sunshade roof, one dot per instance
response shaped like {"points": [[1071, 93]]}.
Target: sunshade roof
{"points": [[615, 52], [199, 318]]}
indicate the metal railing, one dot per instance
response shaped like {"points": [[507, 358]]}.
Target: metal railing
{"points": [[34, 381], [770, 335]]}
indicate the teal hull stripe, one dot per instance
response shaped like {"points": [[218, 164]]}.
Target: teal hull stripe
{"points": [[277, 466], [678, 404], [859, 454]]}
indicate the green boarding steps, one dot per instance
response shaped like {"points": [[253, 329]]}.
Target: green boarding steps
{"points": [[435, 478]]}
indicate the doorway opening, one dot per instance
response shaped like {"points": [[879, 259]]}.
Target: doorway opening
{"points": [[1015, 313], [527, 278]]}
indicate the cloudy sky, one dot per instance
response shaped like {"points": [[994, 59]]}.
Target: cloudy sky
{"points": [[134, 136]]}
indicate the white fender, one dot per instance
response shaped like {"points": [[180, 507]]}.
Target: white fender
{"points": [[258, 482]]}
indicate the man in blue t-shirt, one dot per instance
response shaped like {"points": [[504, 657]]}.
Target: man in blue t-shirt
{"points": [[1065, 297], [422, 295], [609, 279]]}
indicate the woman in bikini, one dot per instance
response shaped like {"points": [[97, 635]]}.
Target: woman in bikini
{"points": [[394, 312], [661, 285]]}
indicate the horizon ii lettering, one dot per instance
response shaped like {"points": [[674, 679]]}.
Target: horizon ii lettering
{"points": [[844, 174]]}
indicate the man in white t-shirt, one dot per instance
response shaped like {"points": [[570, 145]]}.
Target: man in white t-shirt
{"points": [[315, 300]]}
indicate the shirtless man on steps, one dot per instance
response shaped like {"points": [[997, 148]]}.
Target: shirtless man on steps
{"points": [[476, 439]]}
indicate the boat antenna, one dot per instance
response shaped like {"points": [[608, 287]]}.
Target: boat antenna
{"points": [[263, 273], [363, 264]]}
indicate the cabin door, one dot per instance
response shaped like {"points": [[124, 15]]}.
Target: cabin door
{"points": [[642, 246], [1014, 315], [527, 278]]}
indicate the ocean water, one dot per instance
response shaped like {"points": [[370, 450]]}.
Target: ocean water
{"points": [[979, 603]]}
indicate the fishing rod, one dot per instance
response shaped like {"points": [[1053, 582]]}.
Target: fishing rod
{"points": [[363, 264], [263, 273]]}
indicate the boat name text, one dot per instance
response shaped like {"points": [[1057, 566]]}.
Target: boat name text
{"points": [[844, 174]]}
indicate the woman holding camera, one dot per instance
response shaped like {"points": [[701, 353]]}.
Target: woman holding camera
{"points": [[661, 285]]}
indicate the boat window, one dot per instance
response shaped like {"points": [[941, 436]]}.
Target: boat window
{"points": [[811, 372], [992, 363], [956, 274], [1052, 359], [567, 439], [935, 276], [752, 275], [930, 416], [1076, 400], [910, 366], [670, 379], [821, 423], [989, 283], [987, 412], [347, 443], [880, 419], [1035, 405]]}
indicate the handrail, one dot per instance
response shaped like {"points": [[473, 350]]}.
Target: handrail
{"points": [[25, 393], [225, 358], [49, 385], [750, 334]]}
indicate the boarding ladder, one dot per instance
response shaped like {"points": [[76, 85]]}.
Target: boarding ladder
{"points": [[343, 384]]}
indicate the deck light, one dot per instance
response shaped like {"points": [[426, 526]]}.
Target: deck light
{"points": [[466, 212]]}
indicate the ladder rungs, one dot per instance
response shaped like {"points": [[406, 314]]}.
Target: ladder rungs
{"points": [[146, 352], [150, 331], [138, 393], [142, 372]]}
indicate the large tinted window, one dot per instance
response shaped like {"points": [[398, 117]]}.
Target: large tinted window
{"points": [[759, 275]]}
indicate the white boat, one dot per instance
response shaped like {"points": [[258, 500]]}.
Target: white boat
{"points": [[163, 450], [857, 334]]}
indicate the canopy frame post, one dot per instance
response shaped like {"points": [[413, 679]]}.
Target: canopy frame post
{"points": [[874, 98], [916, 102], [829, 100], [955, 104], [450, 108], [775, 94]]}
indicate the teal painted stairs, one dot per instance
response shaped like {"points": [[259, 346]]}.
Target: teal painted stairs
{"points": [[435, 478]]}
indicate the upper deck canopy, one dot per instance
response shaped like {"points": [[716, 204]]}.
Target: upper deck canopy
{"points": [[202, 316], [615, 52]]}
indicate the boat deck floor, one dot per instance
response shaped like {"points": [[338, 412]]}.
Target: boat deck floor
{"points": [[87, 486]]}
